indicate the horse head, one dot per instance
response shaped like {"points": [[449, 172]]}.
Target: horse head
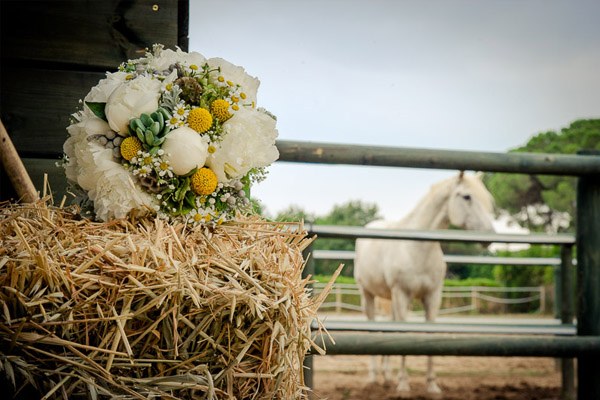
{"points": [[470, 204]]}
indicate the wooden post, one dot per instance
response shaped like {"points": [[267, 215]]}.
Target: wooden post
{"points": [[588, 279], [474, 300], [15, 169], [338, 299], [542, 299]]}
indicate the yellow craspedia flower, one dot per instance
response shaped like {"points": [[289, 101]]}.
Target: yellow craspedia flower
{"points": [[220, 109], [130, 147], [200, 120], [204, 182]]}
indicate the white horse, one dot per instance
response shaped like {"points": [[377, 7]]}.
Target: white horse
{"points": [[401, 270]]}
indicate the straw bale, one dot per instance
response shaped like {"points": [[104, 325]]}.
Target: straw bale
{"points": [[144, 309]]}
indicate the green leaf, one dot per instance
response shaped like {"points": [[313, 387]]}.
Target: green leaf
{"points": [[182, 190], [137, 123], [190, 199], [155, 128], [159, 117], [97, 109], [166, 115], [192, 172], [146, 120], [149, 138]]}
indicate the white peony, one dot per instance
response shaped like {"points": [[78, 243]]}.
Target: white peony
{"points": [[93, 168], [168, 57], [185, 150], [249, 142], [236, 75], [102, 91], [114, 193], [130, 100], [78, 148]]}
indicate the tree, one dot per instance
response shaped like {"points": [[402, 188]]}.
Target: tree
{"points": [[541, 202], [294, 213], [352, 213]]}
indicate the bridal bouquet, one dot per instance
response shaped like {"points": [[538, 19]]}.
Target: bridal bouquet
{"points": [[172, 134]]}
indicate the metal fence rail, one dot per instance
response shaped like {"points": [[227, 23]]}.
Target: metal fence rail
{"points": [[385, 156], [436, 344], [437, 327]]}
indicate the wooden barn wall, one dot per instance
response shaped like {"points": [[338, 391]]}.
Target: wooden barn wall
{"points": [[53, 52]]}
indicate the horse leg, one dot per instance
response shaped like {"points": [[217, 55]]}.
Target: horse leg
{"points": [[400, 306], [432, 303], [368, 302]]}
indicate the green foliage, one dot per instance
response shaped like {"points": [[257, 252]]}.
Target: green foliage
{"points": [[340, 279], [468, 271], [463, 271], [472, 282], [97, 109], [352, 213], [294, 214], [539, 202], [518, 276]]}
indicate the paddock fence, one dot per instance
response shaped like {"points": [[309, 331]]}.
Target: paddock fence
{"points": [[565, 340], [347, 297]]}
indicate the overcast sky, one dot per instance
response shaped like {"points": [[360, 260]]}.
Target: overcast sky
{"points": [[464, 75]]}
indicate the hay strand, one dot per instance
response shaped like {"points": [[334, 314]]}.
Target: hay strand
{"points": [[141, 309]]}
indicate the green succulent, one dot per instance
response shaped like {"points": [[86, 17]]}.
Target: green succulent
{"points": [[151, 129]]}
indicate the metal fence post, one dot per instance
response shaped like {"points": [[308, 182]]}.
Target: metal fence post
{"points": [[557, 291], [588, 280], [309, 269], [566, 317]]}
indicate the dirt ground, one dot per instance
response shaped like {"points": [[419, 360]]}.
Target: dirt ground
{"points": [[460, 378]]}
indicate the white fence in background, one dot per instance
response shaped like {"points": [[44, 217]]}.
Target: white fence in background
{"points": [[341, 292]]}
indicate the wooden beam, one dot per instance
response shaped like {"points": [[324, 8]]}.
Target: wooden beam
{"points": [[98, 35], [15, 169]]}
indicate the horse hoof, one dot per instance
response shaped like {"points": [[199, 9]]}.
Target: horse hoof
{"points": [[433, 389], [403, 387]]}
